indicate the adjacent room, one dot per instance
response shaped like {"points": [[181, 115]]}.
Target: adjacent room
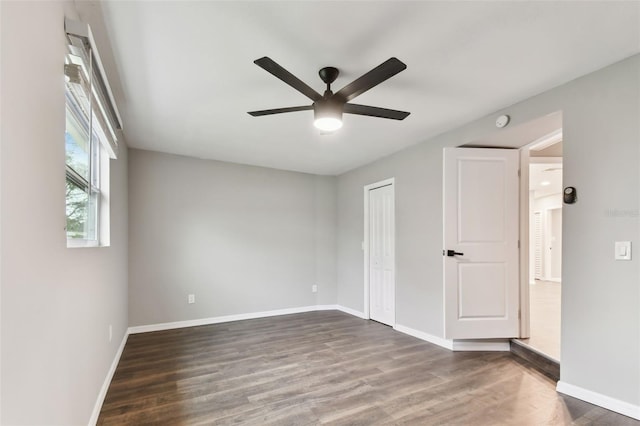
{"points": [[319, 212], [545, 244]]}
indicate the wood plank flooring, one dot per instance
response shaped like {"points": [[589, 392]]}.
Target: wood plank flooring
{"points": [[327, 368], [541, 362]]}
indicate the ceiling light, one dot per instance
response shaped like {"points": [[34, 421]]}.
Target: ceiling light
{"points": [[545, 183], [328, 124], [328, 116]]}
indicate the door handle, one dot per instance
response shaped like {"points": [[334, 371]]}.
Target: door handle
{"points": [[451, 253]]}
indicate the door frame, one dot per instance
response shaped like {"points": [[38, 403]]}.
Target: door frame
{"points": [[525, 161], [365, 242], [525, 310]]}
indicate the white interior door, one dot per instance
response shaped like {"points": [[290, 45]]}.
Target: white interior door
{"points": [[382, 296], [481, 211]]}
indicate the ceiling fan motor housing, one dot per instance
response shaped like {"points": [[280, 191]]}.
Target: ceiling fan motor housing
{"points": [[329, 74], [331, 105]]}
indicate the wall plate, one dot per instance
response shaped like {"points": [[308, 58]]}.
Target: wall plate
{"points": [[623, 250]]}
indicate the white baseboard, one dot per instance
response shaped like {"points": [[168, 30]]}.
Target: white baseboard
{"points": [[107, 381], [555, 280], [240, 317], [596, 398], [326, 307], [457, 345], [481, 345], [445, 343], [225, 318], [350, 311]]}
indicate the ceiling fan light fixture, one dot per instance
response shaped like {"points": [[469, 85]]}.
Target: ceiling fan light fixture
{"points": [[328, 117], [329, 107], [328, 124]]}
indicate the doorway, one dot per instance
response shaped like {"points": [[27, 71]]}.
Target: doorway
{"points": [[379, 247], [545, 245], [539, 142]]}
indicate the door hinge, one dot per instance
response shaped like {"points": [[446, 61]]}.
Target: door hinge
{"points": [[519, 314], [518, 172], [518, 243]]}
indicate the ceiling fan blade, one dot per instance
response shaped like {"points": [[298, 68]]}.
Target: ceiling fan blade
{"points": [[271, 66], [374, 77], [280, 110], [375, 111]]}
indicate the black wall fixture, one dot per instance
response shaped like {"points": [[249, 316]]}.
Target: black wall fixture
{"points": [[570, 195]]}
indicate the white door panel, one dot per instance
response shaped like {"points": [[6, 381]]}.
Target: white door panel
{"points": [[481, 222], [481, 290], [484, 224]]}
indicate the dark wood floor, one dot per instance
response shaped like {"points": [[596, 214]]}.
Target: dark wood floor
{"points": [[328, 368]]}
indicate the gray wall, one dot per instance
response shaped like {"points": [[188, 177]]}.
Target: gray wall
{"points": [[601, 296], [418, 174], [326, 221], [57, 303], [246, 239], [242, 239]]}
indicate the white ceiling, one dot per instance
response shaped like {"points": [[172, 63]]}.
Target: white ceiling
{"points": [[186, 77]]}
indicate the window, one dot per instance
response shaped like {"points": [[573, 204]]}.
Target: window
{"points": [[90, 140], [82, 175]]}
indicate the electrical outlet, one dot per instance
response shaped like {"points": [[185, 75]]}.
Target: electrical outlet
{"points": [[191, 298], [314, 288], [110, 332]]}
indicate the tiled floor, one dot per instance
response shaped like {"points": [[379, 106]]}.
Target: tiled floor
{"points": [[545, 318]]}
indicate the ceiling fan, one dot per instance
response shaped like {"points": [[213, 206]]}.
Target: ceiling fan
{"points": [[329, 107]]}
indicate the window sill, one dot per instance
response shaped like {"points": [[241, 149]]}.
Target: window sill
{"points": [[78, 243]]}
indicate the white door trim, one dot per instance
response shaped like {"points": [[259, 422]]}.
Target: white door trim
{"points": [[525, 320], [525, 161], [365, 242]]}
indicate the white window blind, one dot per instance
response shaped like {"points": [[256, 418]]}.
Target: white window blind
{"points": [[89, 85]]}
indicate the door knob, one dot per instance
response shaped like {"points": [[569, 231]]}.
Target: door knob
{"points": [[453, 253]]}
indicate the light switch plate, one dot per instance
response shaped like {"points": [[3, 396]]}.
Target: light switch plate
{"points": [[623, 250]]}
